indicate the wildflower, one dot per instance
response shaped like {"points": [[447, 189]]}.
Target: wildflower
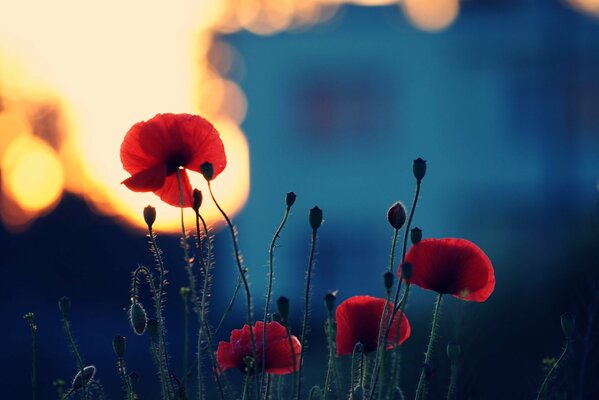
{"points": [[279, 356], [358, 320], [452, 266], [154, 150]]}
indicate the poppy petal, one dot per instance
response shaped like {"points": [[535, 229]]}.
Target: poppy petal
{"points": [[147, 180], [358, 320], [169, 192], [452, 266], [279, 356]]}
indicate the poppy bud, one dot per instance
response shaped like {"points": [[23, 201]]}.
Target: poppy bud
{"points": [[152, 328], [207, 171], [419, 169], [453, 352], [415, 235], [290, 199], [184, 293], [388, 278], [396, 215], [149, 216], [118, 344], [64, 305], [85, 378], [138, 318], [315, 217], [329, 301], [283, 307], [133, 379], [568, 324], [197, 200], [406, 270]]}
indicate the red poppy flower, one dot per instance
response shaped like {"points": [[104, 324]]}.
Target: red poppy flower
{"points": [[279, 358], [452, 266], [154, 150], [358, 320]]}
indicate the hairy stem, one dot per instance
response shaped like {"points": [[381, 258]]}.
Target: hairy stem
{"points": [[421, 389]]}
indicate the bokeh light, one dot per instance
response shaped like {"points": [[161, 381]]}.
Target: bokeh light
{"points": [[431, 15]]}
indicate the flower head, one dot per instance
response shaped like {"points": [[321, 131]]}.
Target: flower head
{"points": [[452, 266], [358, 320], [279, 356], [154, 150]]}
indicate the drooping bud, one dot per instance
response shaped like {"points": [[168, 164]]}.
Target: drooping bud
{"points": [[283, 307], [315, 217], [453, 352], [396, 215], [388, 278], [149, 216], [197, 200], [415, 235], [329, 301], [84, 379], [207, 171], [419, 169], [152, 326], [568, 324], [138, 318], [64, 305], [118, 344], [133, 379], [290, 199], [406, 270]]}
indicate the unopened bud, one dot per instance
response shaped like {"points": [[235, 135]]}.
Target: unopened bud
{"points": [[64, 305], [388, 278], [329, 301], [84, 378], [184, 293], [283, 307], [419, 169], [197, 200], [315, 217], [152, 328], [416, 235], [290, 199], [453, 352], [406, 270], [396, 215], [207, 171], [138, 318], [568, 324], [149, 216], [118, 344]]}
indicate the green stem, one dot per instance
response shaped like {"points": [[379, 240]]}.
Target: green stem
{"points": [[29, 317], [332, 364], [271, 251], [397, 349], [122, 373], [242, 272], [185, 341], [75, 351], [552, 370], [157, 360], [246, 386], [306, 309], [451, 391], [229, 306], [421, 389], [293, 357]]}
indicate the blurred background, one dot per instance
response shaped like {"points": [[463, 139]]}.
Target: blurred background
{"points": [[329, 99]]}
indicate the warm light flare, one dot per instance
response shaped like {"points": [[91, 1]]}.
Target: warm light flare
{"points": [[588, 6], [31, 174], [431, 15]]}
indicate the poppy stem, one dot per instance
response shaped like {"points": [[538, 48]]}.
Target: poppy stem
{"points": [[269, 290], [29, 317], [453, 377], [184, 299], [73, 346], [397, 350], [355, 371], [229, 306], [293, 357], [421, 389], [306, 309], [206, 264], [242, 272], [552, 370]]}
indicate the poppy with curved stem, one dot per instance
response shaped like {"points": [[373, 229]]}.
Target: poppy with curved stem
{"points": [[358, 319], [279, 357], [452, 266], [154, 150]]}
